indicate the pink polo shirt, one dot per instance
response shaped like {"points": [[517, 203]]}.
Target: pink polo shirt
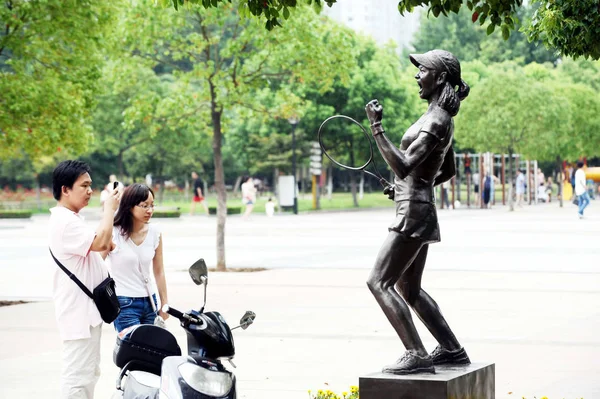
{"points": [[70, 240]]}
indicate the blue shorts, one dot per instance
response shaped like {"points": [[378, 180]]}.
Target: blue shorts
{"points": [[134, 311]]}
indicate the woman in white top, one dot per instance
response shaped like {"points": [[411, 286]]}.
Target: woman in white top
{"points": [[248, 195], [138, 245]]}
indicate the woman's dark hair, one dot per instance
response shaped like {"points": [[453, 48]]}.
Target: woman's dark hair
{"points": [[132, 196], [66, 174]]}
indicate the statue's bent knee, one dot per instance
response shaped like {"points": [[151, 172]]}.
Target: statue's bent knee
{"points": [[408, 291]]}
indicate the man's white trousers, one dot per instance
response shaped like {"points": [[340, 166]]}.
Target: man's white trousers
{"points": [[81, 366]]}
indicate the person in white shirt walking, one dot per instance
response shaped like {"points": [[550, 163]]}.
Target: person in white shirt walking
{"points": [[248, 195], [138, 245], [581, 189], [78, 248]]}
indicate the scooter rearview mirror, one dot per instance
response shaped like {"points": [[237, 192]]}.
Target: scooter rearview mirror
{"points": [[247, 319], [199, 272]]}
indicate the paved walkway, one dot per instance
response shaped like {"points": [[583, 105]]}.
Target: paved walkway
{"points": [[519, 289]]}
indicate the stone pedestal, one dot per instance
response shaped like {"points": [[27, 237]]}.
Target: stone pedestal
{"points": [[475, 381]]}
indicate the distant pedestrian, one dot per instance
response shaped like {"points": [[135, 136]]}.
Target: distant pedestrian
{"points": [[270, 207], [198, 186], [109, 188], [78, 248], [248, 195], [467, 163], [486, 193], [476, 188], [581, 189], [520, 187], [541, 178]]}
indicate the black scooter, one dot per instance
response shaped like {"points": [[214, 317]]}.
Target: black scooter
{"points": [[150, 358]]}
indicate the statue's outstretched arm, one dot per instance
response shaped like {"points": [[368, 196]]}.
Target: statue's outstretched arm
{"points": [[403, 162]]}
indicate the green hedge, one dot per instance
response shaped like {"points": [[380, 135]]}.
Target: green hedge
{"points": [[17, 214], [231, 210], [167, 214]]}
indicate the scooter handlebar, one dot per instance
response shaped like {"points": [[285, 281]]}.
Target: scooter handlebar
{"points": [[173, 312]]}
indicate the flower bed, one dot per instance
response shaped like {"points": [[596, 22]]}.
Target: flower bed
{"points": [[327, 394]]}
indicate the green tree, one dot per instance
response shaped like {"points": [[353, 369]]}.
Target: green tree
{"points": [[222, 58], [513, 114], [51, 54], [467, 41], [572, 27]]}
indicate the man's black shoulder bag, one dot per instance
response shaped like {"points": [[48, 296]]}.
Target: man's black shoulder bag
{"points": [[104, 295]]}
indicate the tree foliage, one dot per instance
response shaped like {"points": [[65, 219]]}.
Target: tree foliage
{"points": [[511, 112], [270, 10], [51, 55], [468, 41], [571, 27], [220, 59]]}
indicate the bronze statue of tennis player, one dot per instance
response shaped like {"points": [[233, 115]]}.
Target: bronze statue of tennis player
{"points": [[425, 159]]}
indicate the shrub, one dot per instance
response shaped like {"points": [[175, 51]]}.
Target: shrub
{"points": [[231, 210], [166, 214], [16, 214]]}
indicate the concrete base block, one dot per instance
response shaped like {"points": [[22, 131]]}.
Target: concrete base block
{"points": [[475, 381]]}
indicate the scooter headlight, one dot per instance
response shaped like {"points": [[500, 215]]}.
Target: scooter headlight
{"points": [[212, 383]]}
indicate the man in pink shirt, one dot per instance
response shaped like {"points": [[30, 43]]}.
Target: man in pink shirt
{"points": [[78, 248]]}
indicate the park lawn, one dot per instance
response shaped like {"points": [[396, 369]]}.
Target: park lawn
{"points": [[338, 201]]}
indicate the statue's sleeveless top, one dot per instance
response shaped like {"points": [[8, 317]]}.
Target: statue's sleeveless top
{"points": [[416, 215]]}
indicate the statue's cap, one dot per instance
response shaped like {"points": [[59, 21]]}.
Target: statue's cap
{"points": [[440, 60]]}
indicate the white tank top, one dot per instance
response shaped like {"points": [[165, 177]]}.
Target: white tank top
{"points": [[123, 262]]}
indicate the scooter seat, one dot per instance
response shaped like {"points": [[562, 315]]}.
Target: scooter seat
{"points": [[145, 346], [142, 385]]}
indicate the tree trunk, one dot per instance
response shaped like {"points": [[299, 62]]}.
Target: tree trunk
{"points": [[219, 182], [120, 164], [511, 205], [237, 184], [559, 180], [161, 187], [275, 188], [361, 186], [329, 182], [38, 194], [353, 188]]}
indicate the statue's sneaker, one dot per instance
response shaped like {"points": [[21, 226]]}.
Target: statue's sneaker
{"points": [[410, 363], [444, 356]]}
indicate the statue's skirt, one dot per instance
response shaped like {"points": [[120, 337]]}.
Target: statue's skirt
{"points": [[416, 220]]}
